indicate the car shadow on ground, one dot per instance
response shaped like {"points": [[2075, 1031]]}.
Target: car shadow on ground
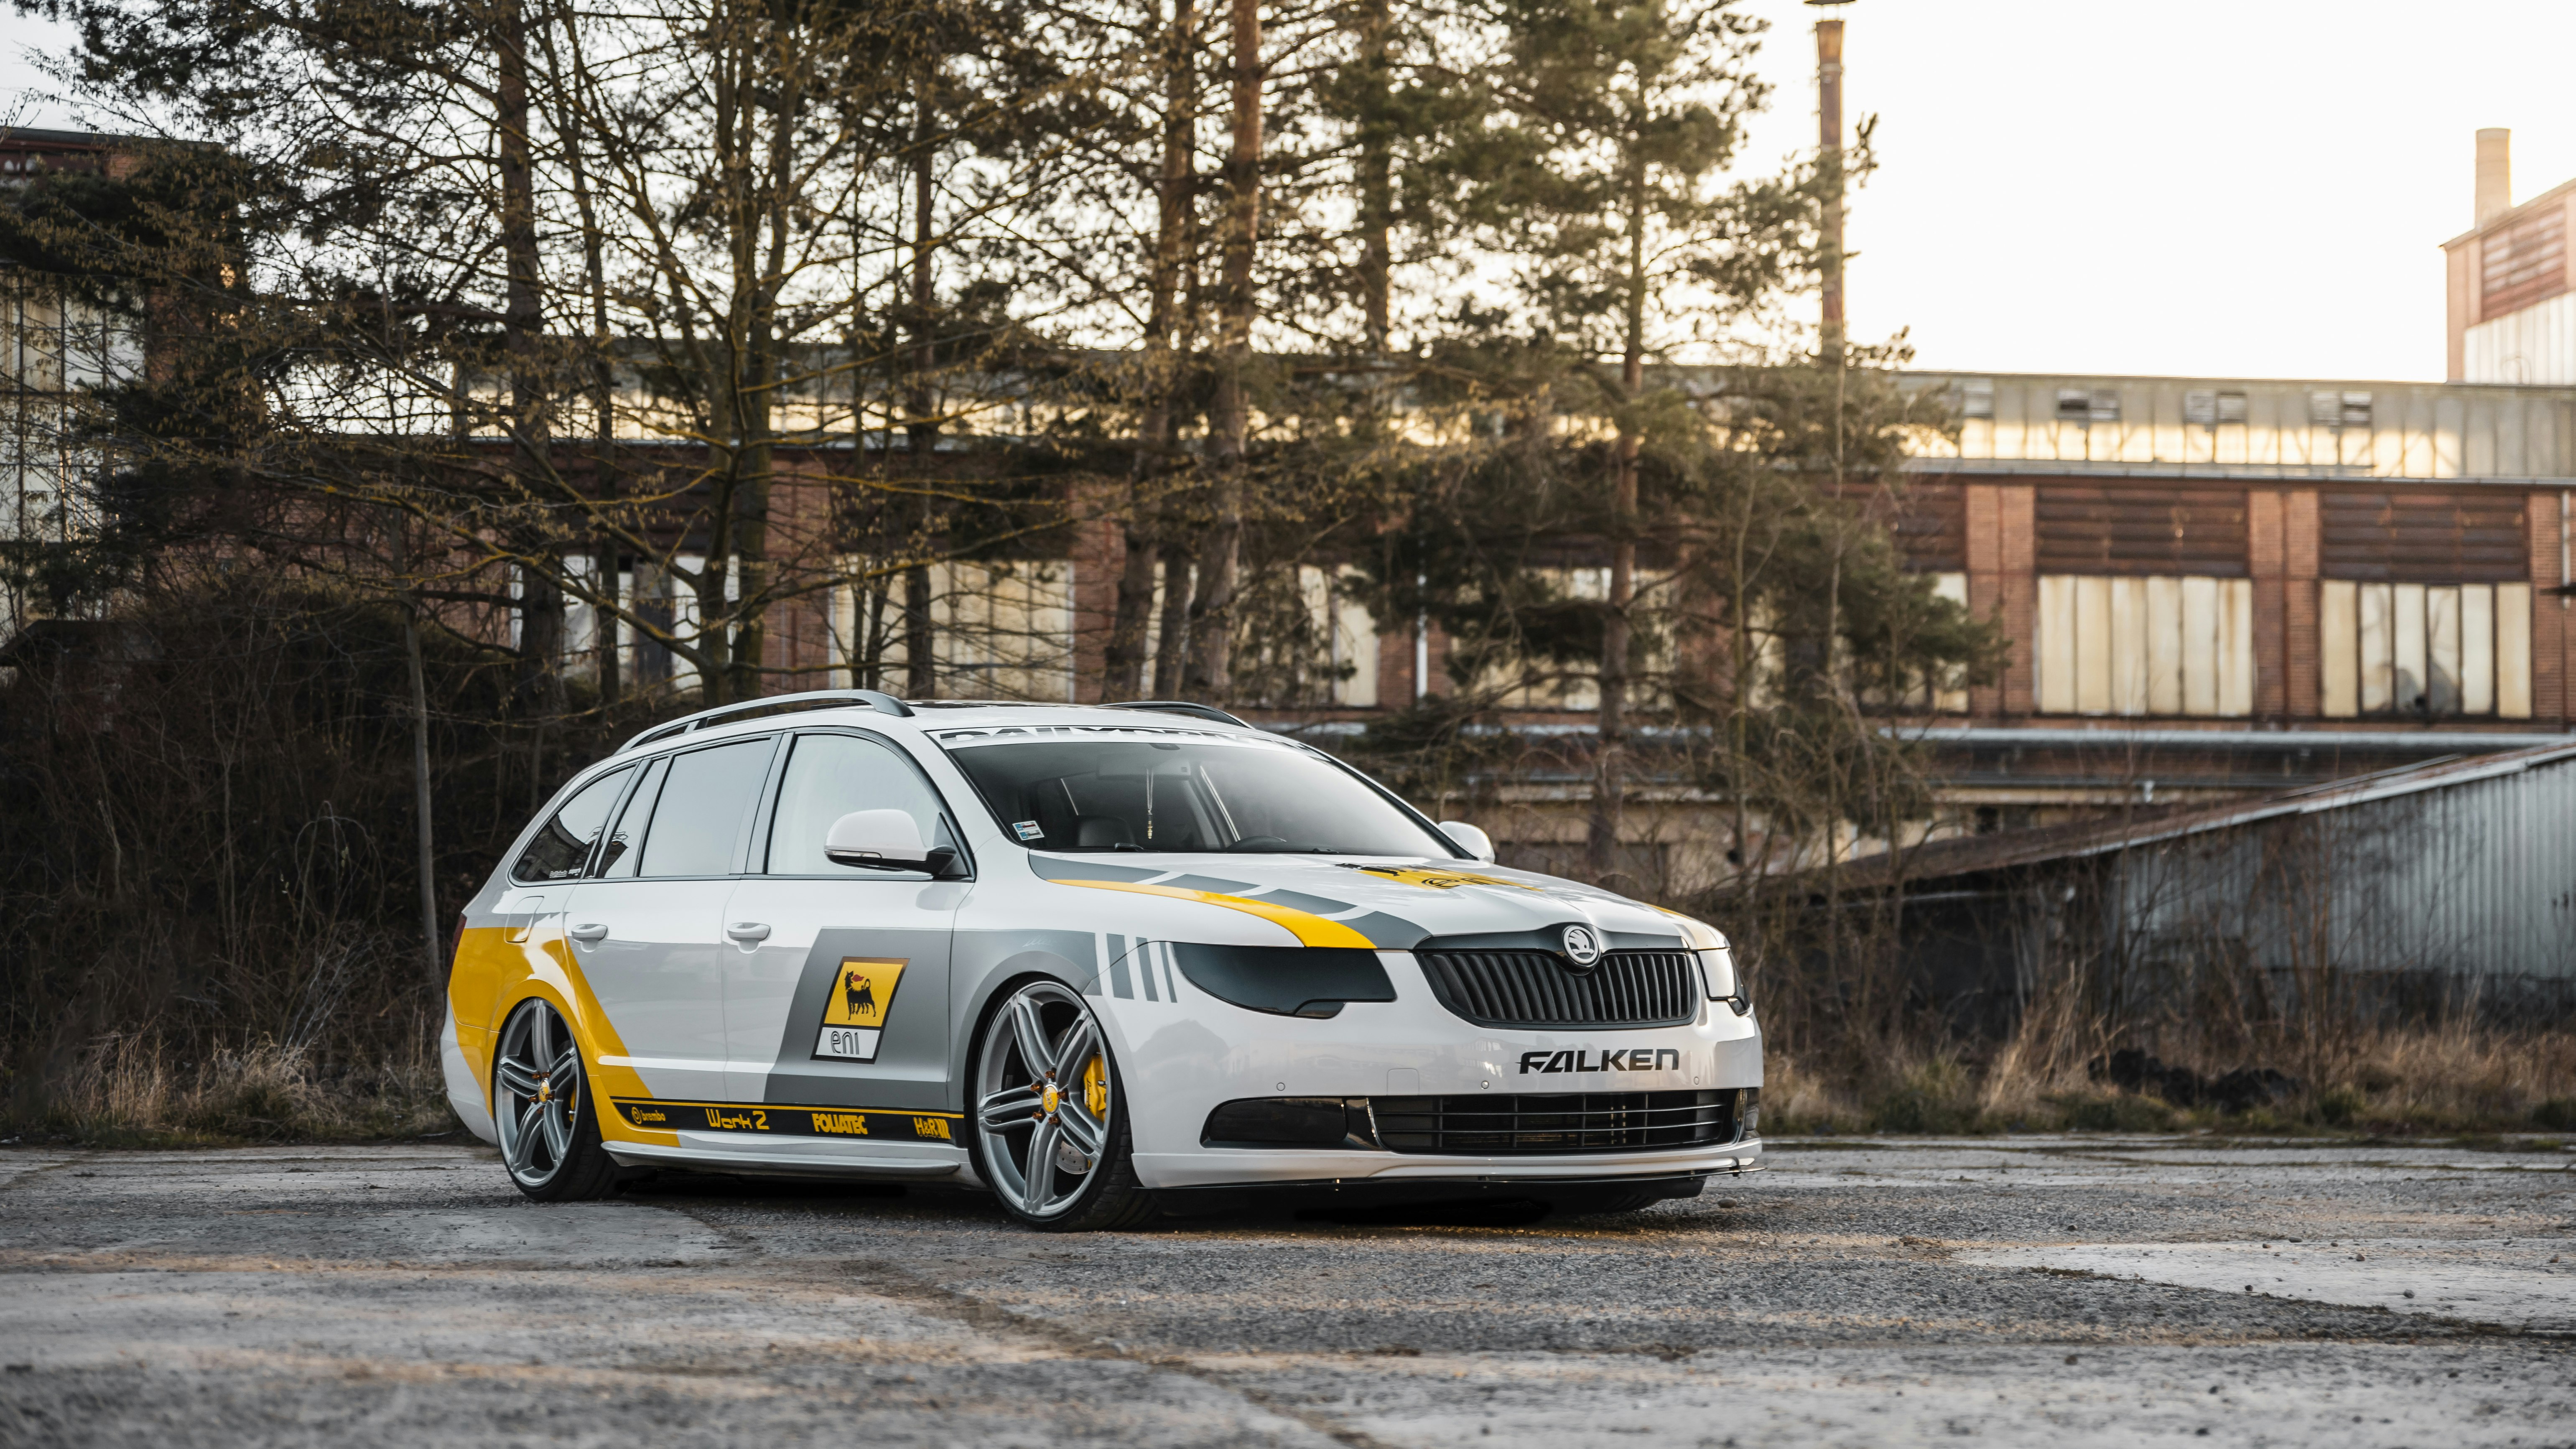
{"points": [[1275, 1210]]}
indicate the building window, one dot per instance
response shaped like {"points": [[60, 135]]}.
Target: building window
{"points": [[2145, 646], [2339, 409], [998, 630], [2424, 649], [1938, 691], [1977, 397], [2088, 405], [2209, 407]]}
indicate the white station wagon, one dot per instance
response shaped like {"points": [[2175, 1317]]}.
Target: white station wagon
{"points": [[1096, 960]]}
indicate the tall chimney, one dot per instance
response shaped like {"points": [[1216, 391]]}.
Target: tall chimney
{"points": [[2495, 173], [1829, 127]]}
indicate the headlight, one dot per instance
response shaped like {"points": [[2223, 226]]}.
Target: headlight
{"points": [[1717, 968]]}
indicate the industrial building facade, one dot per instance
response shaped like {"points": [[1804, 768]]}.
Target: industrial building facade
{"points": [[2282, 552], [2208, 586], [2511, 314]]}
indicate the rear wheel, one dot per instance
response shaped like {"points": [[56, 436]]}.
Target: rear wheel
{"points": [[541, 1104], [1050, 1115]]}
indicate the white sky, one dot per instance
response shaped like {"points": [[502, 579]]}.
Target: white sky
{"points": [[2252, 188]]}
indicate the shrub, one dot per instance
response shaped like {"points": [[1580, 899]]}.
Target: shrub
{"points": [[1937, 1096]]}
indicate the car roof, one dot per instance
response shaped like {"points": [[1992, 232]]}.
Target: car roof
{"points": [[928, 717]]}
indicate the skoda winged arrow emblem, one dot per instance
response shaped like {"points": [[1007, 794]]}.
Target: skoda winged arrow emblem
{"points": [[1582, 946]]}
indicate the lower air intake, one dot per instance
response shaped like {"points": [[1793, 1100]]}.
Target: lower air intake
{"points": [[1488, 1125]]}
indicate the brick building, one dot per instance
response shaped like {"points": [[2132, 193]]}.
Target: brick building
{"points": [[2211, 586], [2511, 316], [2216, 585]]}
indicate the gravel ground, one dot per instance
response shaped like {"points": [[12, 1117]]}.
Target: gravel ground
{"points": [[2044, 1291]]}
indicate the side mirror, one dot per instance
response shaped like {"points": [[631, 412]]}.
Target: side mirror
{"points": [[1469, 839], [884, 840]]}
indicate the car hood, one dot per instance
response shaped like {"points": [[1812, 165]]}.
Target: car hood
{"points": [[1396, 904]]}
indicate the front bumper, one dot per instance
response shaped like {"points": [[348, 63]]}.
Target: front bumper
{"points": [[1180, 1062]]}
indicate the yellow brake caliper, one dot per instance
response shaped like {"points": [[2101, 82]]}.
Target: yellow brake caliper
{"points": [[1095, 1086]]}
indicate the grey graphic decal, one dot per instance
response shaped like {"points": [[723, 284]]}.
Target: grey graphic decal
{"points": [[917, 1013]]}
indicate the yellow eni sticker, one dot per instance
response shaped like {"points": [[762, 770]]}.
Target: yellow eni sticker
{"points": [[1440, 880], [854, 1013]]}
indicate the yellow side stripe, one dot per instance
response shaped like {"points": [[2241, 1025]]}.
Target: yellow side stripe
{"points": [[1311, 930]]}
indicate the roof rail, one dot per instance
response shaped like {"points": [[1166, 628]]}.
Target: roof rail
{"points": [[1181, 706], [881, 702]]}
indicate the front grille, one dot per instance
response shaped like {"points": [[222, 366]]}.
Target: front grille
{"points": [[1484, 1125], [1538, 988]]}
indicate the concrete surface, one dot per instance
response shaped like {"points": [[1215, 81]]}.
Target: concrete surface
{"points": [[2038, 1291]]}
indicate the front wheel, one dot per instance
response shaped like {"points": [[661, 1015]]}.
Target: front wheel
{"points": [[1050, 1120], [541, 1104]]}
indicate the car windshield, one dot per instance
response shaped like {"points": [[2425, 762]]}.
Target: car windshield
{"points": [[1142, 789]]}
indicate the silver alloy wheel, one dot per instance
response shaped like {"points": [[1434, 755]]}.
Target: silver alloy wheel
{"points": [[1043, 1100], [536, 1094]]}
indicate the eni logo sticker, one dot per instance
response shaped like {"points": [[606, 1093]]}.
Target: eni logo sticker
{"points": [[1439, 880], [854, 1012]]}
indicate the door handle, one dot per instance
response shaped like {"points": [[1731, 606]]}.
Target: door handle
{"points": [[589, 931], [748, 931]]}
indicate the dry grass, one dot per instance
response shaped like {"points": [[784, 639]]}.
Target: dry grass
{"points": [[130, 1091], [1797, 1101], [2452, 1078]]}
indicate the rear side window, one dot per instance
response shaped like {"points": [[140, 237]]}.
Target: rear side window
{"points": [[698, 818], [828, 777], [618, 858], [563, 846]]}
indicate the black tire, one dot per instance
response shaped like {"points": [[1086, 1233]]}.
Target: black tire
{"points": [[543, 1113], [1022, 1111]]}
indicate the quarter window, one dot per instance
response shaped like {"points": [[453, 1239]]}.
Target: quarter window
{"points": [[698, 818], [563, 846]]}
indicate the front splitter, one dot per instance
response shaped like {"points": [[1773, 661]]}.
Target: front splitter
{"points": [[1242, 1167]]}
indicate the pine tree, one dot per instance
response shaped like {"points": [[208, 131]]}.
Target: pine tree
{"points": [[1603, 177]]}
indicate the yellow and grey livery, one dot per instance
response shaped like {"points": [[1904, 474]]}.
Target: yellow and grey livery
{"points": [[839, 935]]}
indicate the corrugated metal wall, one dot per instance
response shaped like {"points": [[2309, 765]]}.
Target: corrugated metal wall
{"points": [[2475, 879]]}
